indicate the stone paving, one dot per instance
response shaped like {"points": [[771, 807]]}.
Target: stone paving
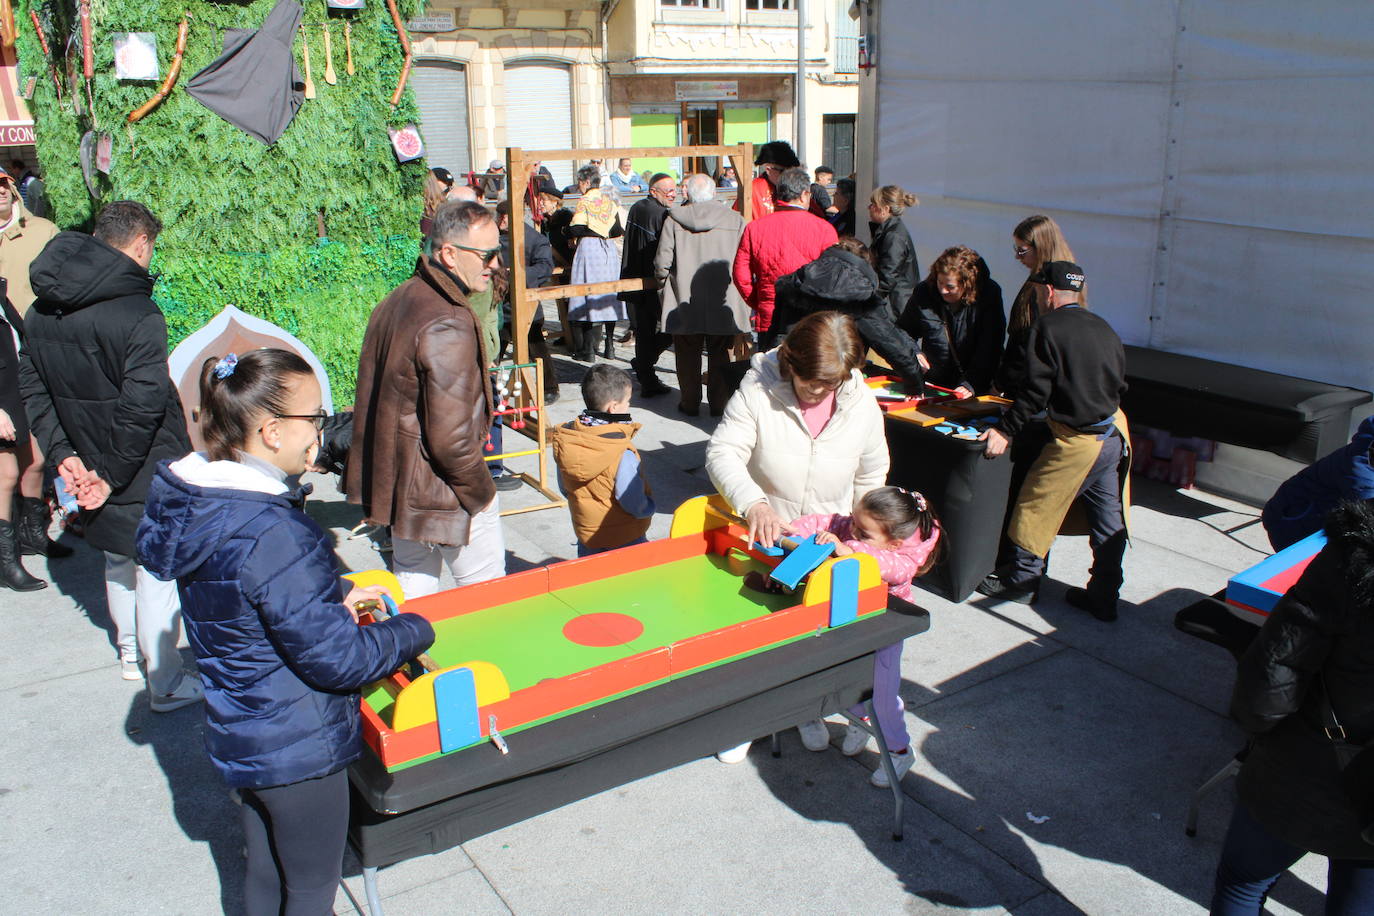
{"points": [[1057, 757]]}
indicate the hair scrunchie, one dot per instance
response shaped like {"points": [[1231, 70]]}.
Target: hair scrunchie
{"points": [[225, 367], [916, 496]]}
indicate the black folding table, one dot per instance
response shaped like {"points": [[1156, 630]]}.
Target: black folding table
{"points": [[438, 804]]}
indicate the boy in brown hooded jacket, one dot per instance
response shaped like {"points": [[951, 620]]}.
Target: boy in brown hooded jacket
{"points": [[598, 466]]}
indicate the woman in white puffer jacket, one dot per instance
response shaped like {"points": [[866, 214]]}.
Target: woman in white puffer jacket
{"points": [[803, 435]]}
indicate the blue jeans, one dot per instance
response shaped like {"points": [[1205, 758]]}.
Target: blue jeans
{"points": [[1252, 860], [1101, 495]]}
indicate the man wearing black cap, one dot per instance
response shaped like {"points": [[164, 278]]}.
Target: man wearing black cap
{"points": [[773, 158], [1076, 371]]}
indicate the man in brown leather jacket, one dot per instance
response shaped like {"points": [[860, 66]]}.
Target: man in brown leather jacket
{"points": [[423, 411]]}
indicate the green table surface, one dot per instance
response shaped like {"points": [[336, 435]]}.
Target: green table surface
{"points": [[524, 638]]}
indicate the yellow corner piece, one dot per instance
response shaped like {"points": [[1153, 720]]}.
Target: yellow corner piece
{"points": [[415, 705], [818, 583], [701, 513], [365, 578]]}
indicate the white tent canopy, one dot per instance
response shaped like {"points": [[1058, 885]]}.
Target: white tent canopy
{"points": [[1211, 163]]}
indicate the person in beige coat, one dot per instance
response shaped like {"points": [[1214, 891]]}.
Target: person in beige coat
{"points": [[701, 306], [22, 237], [802, 436]]}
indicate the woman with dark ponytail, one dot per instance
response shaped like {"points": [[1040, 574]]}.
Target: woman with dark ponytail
{"points": [[280, 651]]}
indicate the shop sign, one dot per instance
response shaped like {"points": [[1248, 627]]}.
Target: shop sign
{"points": [[434, 22], [16, 134], [706, 90]]}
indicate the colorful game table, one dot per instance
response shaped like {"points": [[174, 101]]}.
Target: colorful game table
{"points": [[713, 663], [1231, 618], [1252, 594]]}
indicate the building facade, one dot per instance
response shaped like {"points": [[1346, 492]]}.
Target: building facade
{"points": [[550, 74], [527, 73], [702, 72]]}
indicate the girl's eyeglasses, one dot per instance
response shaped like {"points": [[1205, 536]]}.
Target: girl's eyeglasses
{"points": [[316, 418]]}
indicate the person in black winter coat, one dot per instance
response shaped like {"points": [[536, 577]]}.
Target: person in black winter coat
{"points": [[842, 280], [894, 253], [99, 398], [21, 467], [276, 638], [1314, 653], [643, 225], [956, 315]]}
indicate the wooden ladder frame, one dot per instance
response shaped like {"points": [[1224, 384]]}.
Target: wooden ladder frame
{"points": [[524, 300]]}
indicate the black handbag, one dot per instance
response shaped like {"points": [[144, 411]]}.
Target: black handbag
{"points": [[1355, 762]]}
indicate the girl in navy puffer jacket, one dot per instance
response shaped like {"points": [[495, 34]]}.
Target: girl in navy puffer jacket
{"points": [[281, 655]]}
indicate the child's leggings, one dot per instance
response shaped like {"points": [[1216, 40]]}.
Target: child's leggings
{"points": [[295, 836], [887, 681]]}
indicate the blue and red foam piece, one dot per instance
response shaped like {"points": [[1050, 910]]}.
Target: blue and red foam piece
{"points": [[1256, 590]]}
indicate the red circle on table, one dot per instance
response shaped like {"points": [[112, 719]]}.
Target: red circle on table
{"points": [[602, 630]]}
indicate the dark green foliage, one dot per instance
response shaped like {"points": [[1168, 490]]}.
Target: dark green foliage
{"points": [[241, 218]]}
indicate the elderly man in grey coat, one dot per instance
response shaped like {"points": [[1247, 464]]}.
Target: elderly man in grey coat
{"points": [[701, 307]]}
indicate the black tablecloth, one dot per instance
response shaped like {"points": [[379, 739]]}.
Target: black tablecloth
{"points": [[969, 493]]}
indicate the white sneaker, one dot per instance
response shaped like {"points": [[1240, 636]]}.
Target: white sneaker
{"points": [[188, 691], [129, 668], [814, 734], [735, 754], [901, 764], [855, 740]]}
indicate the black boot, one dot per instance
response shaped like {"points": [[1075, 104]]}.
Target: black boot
{"points": [[33, 531], [1104, 580], [609, 337], [12, 574], [589, 335]]}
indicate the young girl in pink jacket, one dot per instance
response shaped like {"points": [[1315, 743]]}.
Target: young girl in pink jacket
{"points": [[898, 529]]}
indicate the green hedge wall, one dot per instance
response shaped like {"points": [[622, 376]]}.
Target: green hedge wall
{"points": [[241, 218]]}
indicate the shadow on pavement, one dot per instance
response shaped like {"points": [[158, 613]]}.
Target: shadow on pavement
{"points": [[81, 577], [1108, 761], [200, 799]]}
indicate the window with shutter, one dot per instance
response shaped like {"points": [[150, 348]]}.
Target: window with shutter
{"points": [[837, 143], [441, 92], [539, 112], [846, 39]]}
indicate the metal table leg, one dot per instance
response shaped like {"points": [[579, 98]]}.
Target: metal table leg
{"points": [[374, 898], [898, 798], [1231, 769], [777, 745]]}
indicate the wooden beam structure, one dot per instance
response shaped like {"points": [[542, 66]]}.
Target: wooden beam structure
{"points": [[519, 163]]}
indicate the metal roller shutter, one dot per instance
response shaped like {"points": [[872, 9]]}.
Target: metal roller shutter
{"points": [[441, 91], [539, 111]]}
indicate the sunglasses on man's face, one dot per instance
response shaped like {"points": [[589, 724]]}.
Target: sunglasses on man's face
{"points": [[486, 254]]}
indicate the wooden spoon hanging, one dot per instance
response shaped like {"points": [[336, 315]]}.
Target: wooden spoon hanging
{"points": [[329, 76], [348, 47], [305, 47]]}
